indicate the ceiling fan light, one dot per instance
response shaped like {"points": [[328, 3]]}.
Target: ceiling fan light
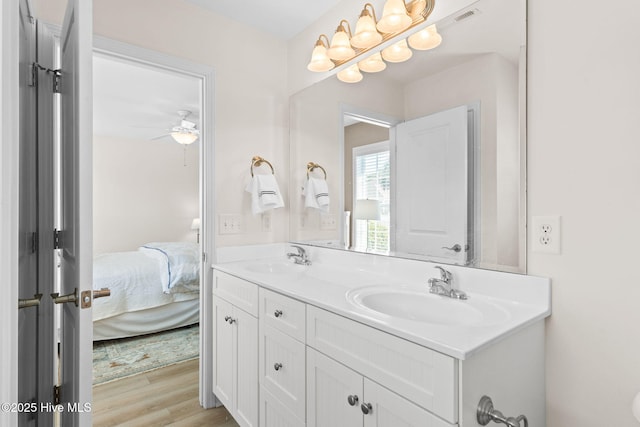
{"points": [[320, 61], [184, 138], [340, 46], [350, 74], [426, 39], [366, 34], [397, 52], [394, 17], [372, 64]]}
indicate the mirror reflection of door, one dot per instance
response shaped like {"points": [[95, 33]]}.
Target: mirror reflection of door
{"points": [[410, 189], [431, 185]]}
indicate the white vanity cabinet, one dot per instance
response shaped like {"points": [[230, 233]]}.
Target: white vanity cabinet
{"points": [[340, 397], [282, 360], [235, 351], [418, 382]]}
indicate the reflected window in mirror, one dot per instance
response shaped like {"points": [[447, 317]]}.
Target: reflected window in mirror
{"points": [[372, 197]]}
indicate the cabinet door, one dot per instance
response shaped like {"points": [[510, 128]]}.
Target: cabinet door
{"points": [[282, 368], [329, 387], [246, 408], [274, 413], [388, 409], [223, 353]]}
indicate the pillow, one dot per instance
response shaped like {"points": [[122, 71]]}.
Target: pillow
{"points": [[181, 260]]}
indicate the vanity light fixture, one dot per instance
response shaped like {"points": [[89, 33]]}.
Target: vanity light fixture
{"points": [[397, 18]]}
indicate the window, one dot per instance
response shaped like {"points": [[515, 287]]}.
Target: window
{"points": [[372, 180]]}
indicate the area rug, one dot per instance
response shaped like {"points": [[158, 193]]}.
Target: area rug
{"points": [[115, 359]]}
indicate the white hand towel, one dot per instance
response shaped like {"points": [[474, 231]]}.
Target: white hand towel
{"points": [[265, 193], [316, 193]]}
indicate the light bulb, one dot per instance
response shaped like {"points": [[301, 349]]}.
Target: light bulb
{"points": [[366, 34], [350, 74], [340, 47], [184, 138], [394, 17], [426, 39], [320, 61], [397, 52], [372, 64]]}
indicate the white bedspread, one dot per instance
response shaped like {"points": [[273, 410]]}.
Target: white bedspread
{"points": [[136, 282]]}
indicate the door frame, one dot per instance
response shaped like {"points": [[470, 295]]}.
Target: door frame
{"points": [[205, 74], [9, 131]]}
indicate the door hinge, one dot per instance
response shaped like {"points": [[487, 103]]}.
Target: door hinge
{"points": [[55, 75], [56, 238], [34, 242], [56, 81], [56, 394]]}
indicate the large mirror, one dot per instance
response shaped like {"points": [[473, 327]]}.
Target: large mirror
{"points": [[425, 159]]}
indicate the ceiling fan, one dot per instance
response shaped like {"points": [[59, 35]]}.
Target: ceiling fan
{"points": [[185, 132]]}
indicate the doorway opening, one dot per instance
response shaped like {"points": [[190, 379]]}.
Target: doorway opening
{"points": [[146, 216]]}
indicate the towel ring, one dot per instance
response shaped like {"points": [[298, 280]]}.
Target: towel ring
{"points": [[311, 166], [257, 161]]}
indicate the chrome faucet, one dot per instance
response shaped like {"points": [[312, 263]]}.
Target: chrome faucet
{"points": [[301, 257], [443, 285]]}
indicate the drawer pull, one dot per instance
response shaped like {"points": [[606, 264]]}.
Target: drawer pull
{"points": [[229, 319], [277, 313], [352, 399], [277, 366], [366, 408]]}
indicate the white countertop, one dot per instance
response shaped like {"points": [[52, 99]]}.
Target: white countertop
{"points": [[521, 300]]}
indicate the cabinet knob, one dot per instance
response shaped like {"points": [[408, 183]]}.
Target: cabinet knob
{"points": [[352, 399], [366, 408], [277, 313], [229, 319], [277, 366]]}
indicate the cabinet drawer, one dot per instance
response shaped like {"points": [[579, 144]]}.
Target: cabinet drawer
{"points": [[273, 413], [423, 376], [238, 292], [283, 313], [282, 368]]}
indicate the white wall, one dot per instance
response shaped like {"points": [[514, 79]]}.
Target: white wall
{"points": [[251, 107], [143, 191], [584, 164]]}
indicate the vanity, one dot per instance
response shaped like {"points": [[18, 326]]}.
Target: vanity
{"points": [[358, 340]]}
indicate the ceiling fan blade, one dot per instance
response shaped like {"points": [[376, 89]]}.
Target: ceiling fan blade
{"points": [[159, 136]]}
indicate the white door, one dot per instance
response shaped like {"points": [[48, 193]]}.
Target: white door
{"points": [[76, 233], [334, 393], [431, 186]]}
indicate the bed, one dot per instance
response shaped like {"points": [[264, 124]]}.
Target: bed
{"points": [[153, 289]]}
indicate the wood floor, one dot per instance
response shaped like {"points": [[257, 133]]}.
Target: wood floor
{"points": [[164, 397]]}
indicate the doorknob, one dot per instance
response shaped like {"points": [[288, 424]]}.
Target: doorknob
{"points": [[455, 248], [86, 296], [30, 302], [63, 299]]}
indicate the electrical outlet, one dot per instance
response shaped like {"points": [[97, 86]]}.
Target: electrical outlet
{"points": [[545, 234], [229, 224], [328, 221]]}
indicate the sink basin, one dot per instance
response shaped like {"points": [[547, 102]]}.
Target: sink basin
{"points": [[420, 306], [276, 267]]}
